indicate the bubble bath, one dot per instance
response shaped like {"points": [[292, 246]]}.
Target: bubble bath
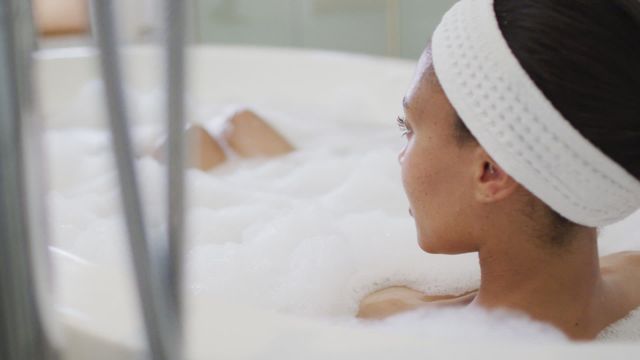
{"points": [[307, 234]]}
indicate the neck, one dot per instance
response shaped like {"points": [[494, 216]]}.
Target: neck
{"points": [[563, 286]]}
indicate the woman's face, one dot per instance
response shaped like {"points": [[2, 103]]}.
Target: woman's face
{"points": [[437, 171]]}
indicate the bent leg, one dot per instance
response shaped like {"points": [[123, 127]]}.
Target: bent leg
{"points": [[202, 150], [251, 136]]}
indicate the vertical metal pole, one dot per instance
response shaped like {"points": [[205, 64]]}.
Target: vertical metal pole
{"points": [[26, 330], [175, 88], [149, 260]]}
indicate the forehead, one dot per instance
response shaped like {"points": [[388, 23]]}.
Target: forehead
{"points": [[425, 93]]}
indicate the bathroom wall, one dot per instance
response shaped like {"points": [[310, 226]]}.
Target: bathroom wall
{"points": [[381, 27], [398, 28]]}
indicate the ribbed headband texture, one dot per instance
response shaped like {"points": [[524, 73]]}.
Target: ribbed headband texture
{"points": [[519, 127]]}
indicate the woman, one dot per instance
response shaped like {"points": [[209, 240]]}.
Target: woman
{"points": [[523, 137], [488, 148]]}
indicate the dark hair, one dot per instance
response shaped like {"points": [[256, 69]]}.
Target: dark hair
{"points": [[584, 55]]}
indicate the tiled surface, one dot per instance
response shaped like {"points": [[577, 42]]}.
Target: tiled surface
{"points": [[384, 27]]}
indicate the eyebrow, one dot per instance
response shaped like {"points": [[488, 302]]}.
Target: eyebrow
{"points": [[405, 103]]}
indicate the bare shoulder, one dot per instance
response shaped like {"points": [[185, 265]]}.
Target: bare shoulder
{"points": [[621, 262], [622, 269], [398, 299]]}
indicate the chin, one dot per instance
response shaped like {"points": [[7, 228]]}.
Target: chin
{"points": [[430, 246], [443, 246]]}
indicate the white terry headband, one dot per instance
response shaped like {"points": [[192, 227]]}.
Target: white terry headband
{"points": [[519, 127]]}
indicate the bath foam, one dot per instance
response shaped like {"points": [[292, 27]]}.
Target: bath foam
{"points": [[473, 325], [625, 329], [309, 233]]}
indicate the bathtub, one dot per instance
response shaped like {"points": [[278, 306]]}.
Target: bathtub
{"points": [[96, 307]]}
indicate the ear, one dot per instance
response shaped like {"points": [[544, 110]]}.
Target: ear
{"points": [[491, 182]]}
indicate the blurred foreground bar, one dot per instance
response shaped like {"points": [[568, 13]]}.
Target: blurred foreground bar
{"points": [[25, 326]]}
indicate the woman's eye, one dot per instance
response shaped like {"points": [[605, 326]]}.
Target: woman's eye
{"points": [[403, 126]]}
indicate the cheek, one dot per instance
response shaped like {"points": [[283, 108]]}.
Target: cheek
{"points": [[416, 177], [428, 183], [433, 188]]}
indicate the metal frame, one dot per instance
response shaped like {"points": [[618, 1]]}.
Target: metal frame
{"points": [[157, 262], [26, 331]]}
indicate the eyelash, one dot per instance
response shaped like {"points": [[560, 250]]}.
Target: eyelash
{"points": [[405, 129]]}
